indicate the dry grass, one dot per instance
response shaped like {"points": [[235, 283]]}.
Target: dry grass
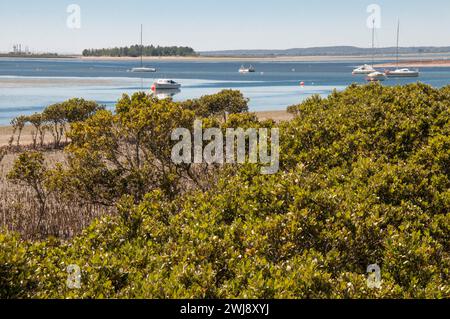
{"points": [[277, 116], [19, 208], [25, 138]]}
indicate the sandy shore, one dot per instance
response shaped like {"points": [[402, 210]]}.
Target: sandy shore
{"points": [[417, 64], [228, 59], [32, 82], [425, 57], [26, 139]]}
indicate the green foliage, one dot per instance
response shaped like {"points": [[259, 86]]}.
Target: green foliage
{"points": [[38, 122], [29, 169], [136, 50], [55, 119], [223, 103], [127, 153], [130, 152], [15, 274], [18, 124], [364, 180]]}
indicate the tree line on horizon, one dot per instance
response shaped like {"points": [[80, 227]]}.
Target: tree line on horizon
{"points": [[135, 51]]}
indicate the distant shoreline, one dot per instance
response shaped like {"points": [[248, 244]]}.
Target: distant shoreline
{"points": [[318, 58], [417, 64], [425, 60], [406, 61], [36, 56]]}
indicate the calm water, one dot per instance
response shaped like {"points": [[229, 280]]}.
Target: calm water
{"points": [[27, 86]]}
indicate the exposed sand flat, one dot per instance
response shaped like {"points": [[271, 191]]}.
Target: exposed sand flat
{"points": [[229, 59], [14, 82], [424, 58], [429, 57], [417, 64]]}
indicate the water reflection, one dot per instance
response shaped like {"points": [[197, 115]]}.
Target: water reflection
{"points": [[165, 93]]}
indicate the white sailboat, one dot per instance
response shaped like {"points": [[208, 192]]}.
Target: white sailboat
{"points": [[367, 69], [374, 76], [142, 68], [363, 70], [401, 72]]}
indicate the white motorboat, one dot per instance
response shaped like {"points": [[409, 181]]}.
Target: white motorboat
{"points": [[142, 68], [165, 84], [249, 69], [404, 72], [363, 70], [376, 77]]}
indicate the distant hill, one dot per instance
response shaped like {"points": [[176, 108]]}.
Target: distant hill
{"points": [[328, 51]]}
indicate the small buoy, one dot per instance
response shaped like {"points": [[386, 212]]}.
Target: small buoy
{"points": [[302, 83], [153, 87]]}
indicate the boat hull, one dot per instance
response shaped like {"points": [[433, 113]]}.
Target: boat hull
{"points": [[167, 86], [402, 75], [143, 70], [362, 72], [376, 77]]}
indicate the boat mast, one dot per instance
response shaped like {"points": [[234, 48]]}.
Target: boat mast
{"points": [[398, 42], [142, 49], [373, 43]]}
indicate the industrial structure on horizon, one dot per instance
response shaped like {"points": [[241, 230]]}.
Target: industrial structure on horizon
{"points": [[19, 49]]}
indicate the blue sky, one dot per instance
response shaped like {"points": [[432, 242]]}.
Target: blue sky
{"points": [[217, 25]]}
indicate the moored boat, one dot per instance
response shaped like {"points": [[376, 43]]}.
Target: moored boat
{"points": [[363, 70], [402, 73], [367, 69], [142, 68], [376, 77], [249, 69], [165, 84]]}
